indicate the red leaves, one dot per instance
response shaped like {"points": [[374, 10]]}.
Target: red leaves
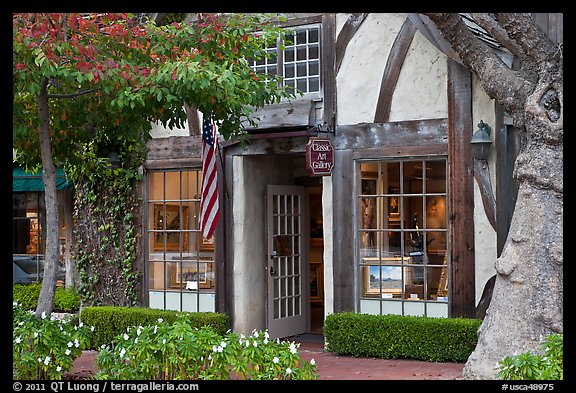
{"points": [[20, 66]]}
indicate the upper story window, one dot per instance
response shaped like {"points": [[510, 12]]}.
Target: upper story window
{"points": [[299, 62]]}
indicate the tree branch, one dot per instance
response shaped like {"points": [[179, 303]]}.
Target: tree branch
{"points": [[489, 24], [486, 65], [71, 95], [522, 29]]}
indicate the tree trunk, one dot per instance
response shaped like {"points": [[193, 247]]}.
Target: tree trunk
{"points": [[69, 263], [527, 302], [46, 298]]}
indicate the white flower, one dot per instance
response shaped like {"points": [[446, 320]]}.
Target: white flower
{"points": [[126, 337], [103, 346], [164, 341], [35, 334], [155, 328], [21, 323], [70, 344], [223, 344], [214, 348], [58, 368], [275, 360], [18, 340], [68, 352], [293, 349], [265, 341], [39, 360], [255, 343], [160, 320], [81, 324], [266, 335], [53, 318], [288, 370], [138, 332], [122, 353], [92, 328], [76, 343], [43, 314], [47, 360], [136, 340], [312, 361]]}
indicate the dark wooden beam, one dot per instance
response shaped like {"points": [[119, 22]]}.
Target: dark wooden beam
{"points": [[350, 28], [328, 73], [392, 71], [403, 133], [461, 192], [174, 147], [343, 251], [482, 177]]}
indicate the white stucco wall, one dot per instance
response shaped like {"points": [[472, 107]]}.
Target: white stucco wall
{"points": [[421, 89], [159, 131], [485, 240], [328, 230], [358, 80]]}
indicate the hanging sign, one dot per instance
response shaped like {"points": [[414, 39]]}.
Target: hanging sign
{"points": [[319, 157]]}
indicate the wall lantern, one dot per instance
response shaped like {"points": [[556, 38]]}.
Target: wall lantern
{"points": [[481, 142]]}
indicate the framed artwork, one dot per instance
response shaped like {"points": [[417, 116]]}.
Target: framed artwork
{"points": [[167, 219], [316, 282], [206, 244], [393, 206], [193, 275]]}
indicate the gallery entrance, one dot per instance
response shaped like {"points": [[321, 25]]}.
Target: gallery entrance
{"points": [[295, 271], [316, 258]]}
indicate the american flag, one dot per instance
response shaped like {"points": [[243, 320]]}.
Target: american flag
{"points": [[209, 209]]}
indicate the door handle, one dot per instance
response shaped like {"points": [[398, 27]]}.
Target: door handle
{"points": [[272, 271]]}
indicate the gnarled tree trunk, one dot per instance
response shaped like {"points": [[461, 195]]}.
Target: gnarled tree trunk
{"points": [[527, 301]]}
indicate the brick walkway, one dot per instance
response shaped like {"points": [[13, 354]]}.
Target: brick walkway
{"points": [[332, 366]]}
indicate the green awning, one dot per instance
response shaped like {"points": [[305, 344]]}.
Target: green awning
{"points": [[24, 181]]}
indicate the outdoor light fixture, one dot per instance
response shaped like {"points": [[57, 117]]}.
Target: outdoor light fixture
{"points": [[481, 141]]}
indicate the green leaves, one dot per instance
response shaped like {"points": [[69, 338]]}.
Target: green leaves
{"points": [[45, 348], [530, 366], [179, 351]]}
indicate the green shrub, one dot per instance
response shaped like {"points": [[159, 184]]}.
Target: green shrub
{"points": [[530, 366], [396, 336], [65, 299], [110, 321], [178, 351], [44, 348]]}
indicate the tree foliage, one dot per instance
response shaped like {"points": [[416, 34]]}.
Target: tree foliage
{"points": [[111, 75], [86, 84]]}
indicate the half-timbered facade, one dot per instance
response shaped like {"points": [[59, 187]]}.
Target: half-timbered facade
{"points": [[405, 223]]}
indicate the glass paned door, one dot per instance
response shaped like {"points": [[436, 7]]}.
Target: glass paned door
{"points": [[287, 261]]}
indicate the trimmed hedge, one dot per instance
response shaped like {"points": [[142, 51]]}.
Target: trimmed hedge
{"points": [[65, 300], [109, 321], [396, 336]]}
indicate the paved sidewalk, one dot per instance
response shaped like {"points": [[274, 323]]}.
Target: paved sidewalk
{"points": [[332, 366]]}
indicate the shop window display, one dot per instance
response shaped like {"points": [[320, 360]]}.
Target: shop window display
{"points": [[402, 233]]}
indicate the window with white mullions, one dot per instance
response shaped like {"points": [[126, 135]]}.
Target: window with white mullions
{"points": [[402, 237], [180, 262], [298, 63]]}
